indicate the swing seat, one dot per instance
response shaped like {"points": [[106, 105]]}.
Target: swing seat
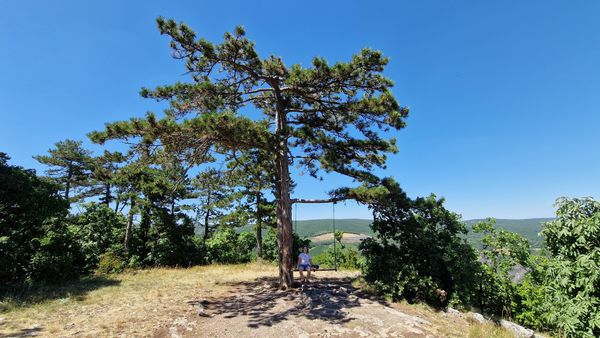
{"points": [[316, 267]]}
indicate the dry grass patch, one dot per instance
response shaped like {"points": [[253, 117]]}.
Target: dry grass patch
{"points": [[488, 330], [131, 303], [157, 301]]}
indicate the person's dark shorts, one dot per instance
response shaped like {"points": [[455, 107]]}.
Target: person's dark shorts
{"points": [[304, 267]]}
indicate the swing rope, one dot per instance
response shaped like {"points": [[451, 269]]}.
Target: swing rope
{"points": [[335, 262]]}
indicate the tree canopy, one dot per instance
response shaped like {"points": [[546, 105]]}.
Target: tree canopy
{"points": [[323, 117]]}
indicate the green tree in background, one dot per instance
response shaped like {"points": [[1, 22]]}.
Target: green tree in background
{"points": [[214, 195], [104, 170], [254, 173], [70, 165], [325, 116]]}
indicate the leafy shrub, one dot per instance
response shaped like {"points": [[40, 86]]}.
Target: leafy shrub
{"points": [[228, 247], [572, 284], [98, 228], [110, 262], [418, 250], [529, 309], [57, 256], [171, 240], [29, 208], [501, 254]]}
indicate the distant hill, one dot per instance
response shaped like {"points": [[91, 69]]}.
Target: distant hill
{"points": [[315, 227], [528, 228]]}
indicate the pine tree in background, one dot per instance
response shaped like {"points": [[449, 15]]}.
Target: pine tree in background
{"points": [[70, 165], [104, 169], [254, 173], [213, 194], [322, 117]]}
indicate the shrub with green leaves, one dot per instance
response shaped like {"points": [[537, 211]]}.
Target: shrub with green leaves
{"points": [[228, 247], [572, 292], [502, 253], [172, 240], [418, 249], [98, 229], [34, 244]]}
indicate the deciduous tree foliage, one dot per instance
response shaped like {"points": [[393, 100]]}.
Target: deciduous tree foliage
{"points": [[319, 117], [502, 252], [572, 290]]}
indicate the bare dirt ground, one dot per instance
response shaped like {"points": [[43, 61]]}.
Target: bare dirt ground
{"points": [[329, 307], [227, 301]]}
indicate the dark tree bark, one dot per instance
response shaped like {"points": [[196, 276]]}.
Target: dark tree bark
{"points": [[259, 248], [68, 183], [107, 194], [283, 208], [129, 229], [207, 218]]}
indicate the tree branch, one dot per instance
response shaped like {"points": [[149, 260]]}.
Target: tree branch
{"points": [[326, 200]]}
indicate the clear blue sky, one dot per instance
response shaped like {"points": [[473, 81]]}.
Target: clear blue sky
{"points": [[504, 95]]}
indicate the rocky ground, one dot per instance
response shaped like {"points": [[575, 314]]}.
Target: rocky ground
{"points": [[328, 307], [226, 301]]}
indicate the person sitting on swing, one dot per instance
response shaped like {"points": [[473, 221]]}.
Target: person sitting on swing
{"points": [[304, 263]]}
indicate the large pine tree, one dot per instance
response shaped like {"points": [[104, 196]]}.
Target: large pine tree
{"points": [[322, 117]]}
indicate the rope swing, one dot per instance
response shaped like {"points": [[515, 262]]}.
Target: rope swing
{"points": [[335, 260]]}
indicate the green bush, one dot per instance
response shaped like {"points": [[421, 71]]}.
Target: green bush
{"points": [[57, 257], [529, 309], [418, 251], [98, 228], [169, 241], [572, 284], [228, 247], [502, 253], [110, 262], [34, 244]]}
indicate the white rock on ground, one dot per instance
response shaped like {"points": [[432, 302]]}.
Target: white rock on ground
{"points": [[477, 317], [516, 329]]}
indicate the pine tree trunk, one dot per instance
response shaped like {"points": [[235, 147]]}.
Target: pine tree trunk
{"points": [[145, 223], [259, 249], [129, 229], [283, 203], [68, 183], [107, 195], [206, 225]]}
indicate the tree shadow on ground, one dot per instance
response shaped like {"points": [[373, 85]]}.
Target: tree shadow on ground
{"points": [[24, 296], [31, 332], [325, 299]]}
